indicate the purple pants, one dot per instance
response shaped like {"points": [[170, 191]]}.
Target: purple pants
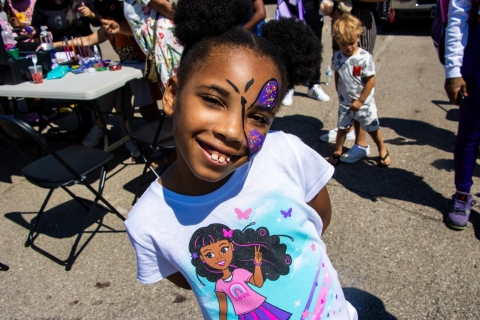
{"points": [[468, 136]]}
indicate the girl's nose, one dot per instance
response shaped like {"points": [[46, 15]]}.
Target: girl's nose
{"points": [[230, 127]]}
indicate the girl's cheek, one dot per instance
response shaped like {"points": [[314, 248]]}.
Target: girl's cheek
{"points": [[255, 141]]}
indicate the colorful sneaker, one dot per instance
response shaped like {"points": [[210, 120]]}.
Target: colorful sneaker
{"points": [[355, 153], [93, 137], [288, 100], [317, 93], [132, 149], [459, 210], [331, 136]]}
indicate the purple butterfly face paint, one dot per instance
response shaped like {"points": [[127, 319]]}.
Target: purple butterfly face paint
{"points": [[255, 141], [269, 94]]}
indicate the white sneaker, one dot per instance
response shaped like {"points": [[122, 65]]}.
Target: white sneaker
{"points": [[316, 92], [331, 136], [288, 100], [132, 149], [355, 153], [93, 137]]}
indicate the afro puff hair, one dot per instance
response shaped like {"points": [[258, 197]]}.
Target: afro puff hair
{"points": [[196, 19], [299, 46], [201, 25]]}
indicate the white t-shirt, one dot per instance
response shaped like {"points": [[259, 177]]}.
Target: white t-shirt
{"points": [[263, 206], [353, 71]]}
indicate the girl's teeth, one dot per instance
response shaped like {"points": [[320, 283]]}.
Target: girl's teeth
{"points": [[214, 156], [221, 159], [228, 159]]}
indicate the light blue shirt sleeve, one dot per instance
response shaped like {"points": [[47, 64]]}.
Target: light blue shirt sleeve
{"points": [[456, 36]]}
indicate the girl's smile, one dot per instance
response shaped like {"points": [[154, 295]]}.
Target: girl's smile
{"points": [[222, 115]]}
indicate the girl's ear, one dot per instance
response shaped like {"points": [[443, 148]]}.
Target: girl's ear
{"points": [[169, 95]]}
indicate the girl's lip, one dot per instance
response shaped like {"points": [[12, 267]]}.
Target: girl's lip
{"points": [[208, 150], [221, 263]]}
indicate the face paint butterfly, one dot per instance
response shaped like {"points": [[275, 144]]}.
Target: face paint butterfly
{"points": [[255, 141], [269, 94], [286, 214], [227, 234], [243, 215]]}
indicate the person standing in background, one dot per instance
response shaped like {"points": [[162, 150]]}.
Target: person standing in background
{"points": [[65, 18], [20, 14], [314, 19], [462, 85]]}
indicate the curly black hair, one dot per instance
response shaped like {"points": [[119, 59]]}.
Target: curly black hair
{"points": [[201, 25]]}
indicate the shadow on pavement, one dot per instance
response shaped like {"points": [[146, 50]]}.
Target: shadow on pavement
{"points": [[368, 306], [62, 221], [305, 127], [414, 132], [369, 181]]}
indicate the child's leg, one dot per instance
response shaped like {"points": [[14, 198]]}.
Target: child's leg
{"points": [[345, 120], [382, 150], [341, 135], [360, 135]]}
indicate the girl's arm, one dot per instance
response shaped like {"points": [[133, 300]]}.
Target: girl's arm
{"points": [[259, 15], [222, 303], [321, 204], [366, 91], [179, 280], [94, 38], [163, 7]]}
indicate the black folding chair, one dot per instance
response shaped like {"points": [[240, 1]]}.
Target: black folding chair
{"points": [[59, 169], [157, 135]]}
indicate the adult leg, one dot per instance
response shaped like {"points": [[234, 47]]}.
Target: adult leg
{"points": [[315, 21], [468, 136]]}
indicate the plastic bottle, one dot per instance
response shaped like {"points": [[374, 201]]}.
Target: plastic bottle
{"points": [[97, 55], [8, 40], [46, 39], [329, 76]]}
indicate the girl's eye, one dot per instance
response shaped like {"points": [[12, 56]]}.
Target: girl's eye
{"points": [[224, 249], [259, 119], [211, 101], [210, 255]]}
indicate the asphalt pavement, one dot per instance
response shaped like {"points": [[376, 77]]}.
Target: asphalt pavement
{"points": [[395, 257]]}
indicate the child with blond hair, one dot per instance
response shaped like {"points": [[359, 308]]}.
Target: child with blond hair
{"points": [[355, 80]]}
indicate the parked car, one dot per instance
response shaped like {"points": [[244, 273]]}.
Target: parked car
{"points": [[414, 9]]}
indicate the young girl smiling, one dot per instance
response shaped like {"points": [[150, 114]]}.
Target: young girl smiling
{"points": [[238, 217]]}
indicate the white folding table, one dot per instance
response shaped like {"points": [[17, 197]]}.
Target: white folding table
{"points": [[84, 86]]}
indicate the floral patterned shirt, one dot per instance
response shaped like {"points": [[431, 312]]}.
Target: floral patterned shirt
{"points": [[167, 49]]}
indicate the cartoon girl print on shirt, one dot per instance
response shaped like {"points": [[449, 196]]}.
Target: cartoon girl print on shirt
{"points": [[236, 260]]}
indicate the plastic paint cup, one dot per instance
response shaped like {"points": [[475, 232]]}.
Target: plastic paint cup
{"points": [[36, 72], [13, 52]]}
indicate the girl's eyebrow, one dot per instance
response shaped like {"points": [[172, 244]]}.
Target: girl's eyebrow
{"points": [[215, 88]]}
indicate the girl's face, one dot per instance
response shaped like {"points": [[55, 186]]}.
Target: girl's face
{"points": [[217, 255], [349, 48], [221, 116]]}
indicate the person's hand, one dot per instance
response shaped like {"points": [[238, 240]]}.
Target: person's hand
{"points": [[110, 26], [452, 86], [86, 12], [30, 34], [326, 6], [258, 256], [356, 105]]}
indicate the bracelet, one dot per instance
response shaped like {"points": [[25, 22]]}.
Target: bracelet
{"points": [[257, 264]]}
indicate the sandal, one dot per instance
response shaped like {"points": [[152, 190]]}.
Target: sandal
{"points": [[334, 159], [381, 161]]}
